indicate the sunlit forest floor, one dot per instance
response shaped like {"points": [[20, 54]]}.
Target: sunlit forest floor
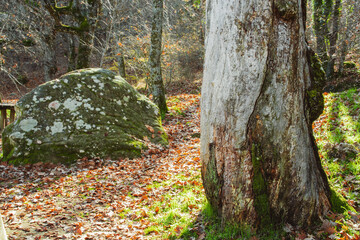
{"points": [[160, 195]]}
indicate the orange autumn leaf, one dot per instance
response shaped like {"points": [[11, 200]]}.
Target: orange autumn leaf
{"points": [[157, 209]]}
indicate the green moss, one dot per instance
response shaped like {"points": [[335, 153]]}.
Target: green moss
{"points": [[349, 65], [339, 203], [62, 8], [211, 180], [314, 93], [84, 26], [28, 42], [261, 201]]}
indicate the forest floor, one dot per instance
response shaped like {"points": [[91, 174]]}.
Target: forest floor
{"points": [[160, 195]]}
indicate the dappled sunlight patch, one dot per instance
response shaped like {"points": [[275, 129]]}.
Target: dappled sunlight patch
{"points": [[337, 134]]}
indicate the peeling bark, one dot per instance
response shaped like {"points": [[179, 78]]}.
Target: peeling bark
{"points": [[260, 160]]}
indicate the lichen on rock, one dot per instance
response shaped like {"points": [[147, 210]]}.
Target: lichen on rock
{"points": [[85, 113]]}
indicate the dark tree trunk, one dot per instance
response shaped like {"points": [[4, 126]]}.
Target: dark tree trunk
{"points": [[121, 65], [261, 91], [343, 53], [84, 53], [156, 84], [333, 39], [50, 68], [72, 53], [84, 14]]}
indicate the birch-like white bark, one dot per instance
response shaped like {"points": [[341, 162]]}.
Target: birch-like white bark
{"points": [[254, 124]]}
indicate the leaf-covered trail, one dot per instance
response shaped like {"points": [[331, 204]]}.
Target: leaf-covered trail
{"points": [[102, 199]]}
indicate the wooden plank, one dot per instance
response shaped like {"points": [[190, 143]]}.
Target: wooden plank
{"points": [[7, 106], [12, 115], [3, 119]]}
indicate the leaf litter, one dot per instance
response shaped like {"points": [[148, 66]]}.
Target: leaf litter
{"points": [[114, 199], [101, 198]]}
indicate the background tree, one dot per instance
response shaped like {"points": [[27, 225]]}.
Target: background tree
{"points": [[321, 14], [336, 24], [37, 46], [333, 37], [83, 15], [349, 31], [26, 49], [156, 84], [262, 89]]}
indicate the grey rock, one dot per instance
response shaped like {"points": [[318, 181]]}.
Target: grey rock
{"points": [[85, 113]]}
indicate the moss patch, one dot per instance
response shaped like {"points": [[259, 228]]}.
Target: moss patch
{"points": [[261, 199], [212, 181], [339, 203]]}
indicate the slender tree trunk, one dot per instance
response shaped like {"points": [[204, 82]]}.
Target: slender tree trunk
{"points": [[121, 65], [84, 53], [156, 84], [50, 68], [85, 14], [349, 24], [259, 97], [343, 53], [333, 39], [321, 13], [72, 53]]}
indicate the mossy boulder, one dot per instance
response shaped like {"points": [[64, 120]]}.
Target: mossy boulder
{"points": [[85, 113]]}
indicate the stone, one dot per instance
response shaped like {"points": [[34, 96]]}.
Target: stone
{"points": [[85, 113]]}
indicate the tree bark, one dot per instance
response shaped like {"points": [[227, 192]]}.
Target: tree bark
{"points": [[259, 97], [50, 68], [72, 53], [84, 53], [156, 84], [121, 65], [84, 14], [321, 13], [333, 39]]}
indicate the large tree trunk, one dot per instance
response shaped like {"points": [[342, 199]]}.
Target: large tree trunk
{"points": [[156, 82], [260, 160]]}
